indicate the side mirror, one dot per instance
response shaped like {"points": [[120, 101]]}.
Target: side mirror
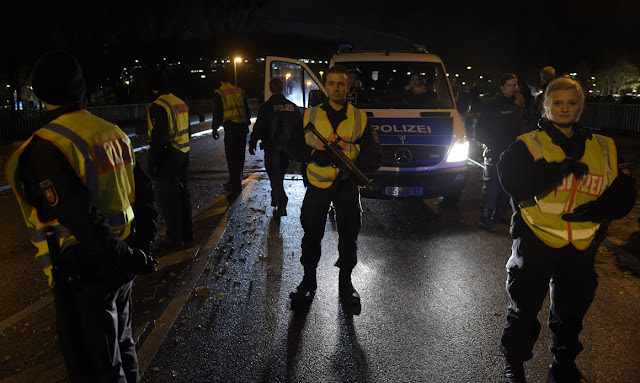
{"points": [[316, 97]]}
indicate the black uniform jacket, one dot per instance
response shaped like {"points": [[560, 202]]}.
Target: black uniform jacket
{"points": [[277, 118], [499, 125], [523, 178], [370, 157]]}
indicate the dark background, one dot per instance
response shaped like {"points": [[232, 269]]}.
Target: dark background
{"points": [[586, 37]]}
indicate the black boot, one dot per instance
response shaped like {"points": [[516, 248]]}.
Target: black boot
{"points": [[565, 372], [513, 373], [302, 296], [348, 294], [485, 220]]}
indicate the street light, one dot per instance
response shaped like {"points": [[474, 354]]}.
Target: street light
{"points": [[287, 76], [321, 73], [235, 72]]}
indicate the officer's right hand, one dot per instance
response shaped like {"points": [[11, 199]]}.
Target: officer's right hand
{"points": [[142, 263], [252, 148], [215, 134], [579, 169], [322, 158]]}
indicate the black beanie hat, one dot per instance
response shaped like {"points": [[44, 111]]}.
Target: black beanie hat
{"points": [[57, 78]]}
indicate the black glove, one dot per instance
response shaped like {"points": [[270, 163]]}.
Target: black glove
{"points": [[322, 158], [252, 147], [579, 169], [142, 263], [215, 134], [589, 212]]}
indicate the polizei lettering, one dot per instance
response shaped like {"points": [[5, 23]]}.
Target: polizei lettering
{"points": [[402, 128]]}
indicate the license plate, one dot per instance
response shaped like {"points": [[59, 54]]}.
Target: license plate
{"points": [[401, 191]]}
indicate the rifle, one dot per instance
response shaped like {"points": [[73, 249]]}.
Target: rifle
{"points": [[344, 162]]}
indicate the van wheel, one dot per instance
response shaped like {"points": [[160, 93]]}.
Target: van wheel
{"points": [[451, 199]]}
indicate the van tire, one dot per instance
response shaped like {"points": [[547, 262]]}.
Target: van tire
{"points": [[451, 199]]}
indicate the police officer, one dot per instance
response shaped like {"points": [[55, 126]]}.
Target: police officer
{"points": [[547, 74], [276, 120], [568, 186], [168, 161], [231, 110], [499, 125], [338, 121], [74, 180]]}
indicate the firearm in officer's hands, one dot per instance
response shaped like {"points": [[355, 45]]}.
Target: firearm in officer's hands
{"points": [[341, 160]]}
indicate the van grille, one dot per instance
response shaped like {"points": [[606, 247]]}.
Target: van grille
{"points": [[412, 156]]}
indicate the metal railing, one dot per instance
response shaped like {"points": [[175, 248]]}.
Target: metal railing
{"points": [[612, 117], [19, 125]]}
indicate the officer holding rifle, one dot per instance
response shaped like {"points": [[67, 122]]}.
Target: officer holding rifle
{"points": [[331, 180]]}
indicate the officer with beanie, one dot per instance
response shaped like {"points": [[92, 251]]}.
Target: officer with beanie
{"points": [[168, 161], [231, 110], [74, 181], [274, 126]]}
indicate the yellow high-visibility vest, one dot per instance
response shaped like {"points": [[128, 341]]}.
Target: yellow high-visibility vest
{"points": [[346, 134], [544, 213], [178, 116], [232, 103], [102, 156]]}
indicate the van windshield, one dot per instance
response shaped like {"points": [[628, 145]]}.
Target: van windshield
{"points": [[398, 85]]}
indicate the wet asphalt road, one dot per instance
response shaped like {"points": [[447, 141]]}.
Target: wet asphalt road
{"points": [[431, 282]]}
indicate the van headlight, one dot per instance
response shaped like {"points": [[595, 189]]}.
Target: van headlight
{"points": [[459, 152]]}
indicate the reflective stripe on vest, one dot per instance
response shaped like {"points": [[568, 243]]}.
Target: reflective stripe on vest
{"points": [[102, 157], [232, 103], [178, 117], [345, 135], [544, 213]]}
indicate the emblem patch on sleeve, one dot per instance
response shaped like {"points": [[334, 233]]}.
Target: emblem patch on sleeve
{"points": [[49, 192]]}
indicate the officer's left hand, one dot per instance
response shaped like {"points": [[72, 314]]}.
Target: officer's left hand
{"points": [[589, 212], [215, 134], [252, 148]]}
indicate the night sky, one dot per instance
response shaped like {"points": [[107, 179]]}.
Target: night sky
{"points": [[499, 36]]}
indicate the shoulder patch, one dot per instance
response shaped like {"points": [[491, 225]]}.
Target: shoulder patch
{"points": [[49, 192]]}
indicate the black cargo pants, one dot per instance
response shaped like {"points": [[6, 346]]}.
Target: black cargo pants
{"points": [[173, 197], [93, 323], [493, 195], [533, 269], [345, 195], [235, 142], [276, 163]]}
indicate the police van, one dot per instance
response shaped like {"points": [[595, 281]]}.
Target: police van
{"points": [[409, 102]]}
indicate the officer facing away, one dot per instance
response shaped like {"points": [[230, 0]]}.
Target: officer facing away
{"points": [[338, 121], [74, 181], [276, 120], [231, 110], [168, 119]]}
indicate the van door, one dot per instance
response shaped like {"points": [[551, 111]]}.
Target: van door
{"points": [[299, 81]]}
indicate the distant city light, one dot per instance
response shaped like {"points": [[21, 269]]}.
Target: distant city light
{"points": [[457, 75], [203, 76], [469, 67], [481, 77]]}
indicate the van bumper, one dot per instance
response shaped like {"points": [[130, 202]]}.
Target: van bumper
{"points": [[436, 183]]}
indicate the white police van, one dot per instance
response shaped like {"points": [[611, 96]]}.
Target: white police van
{"points": [[422, 135]]}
